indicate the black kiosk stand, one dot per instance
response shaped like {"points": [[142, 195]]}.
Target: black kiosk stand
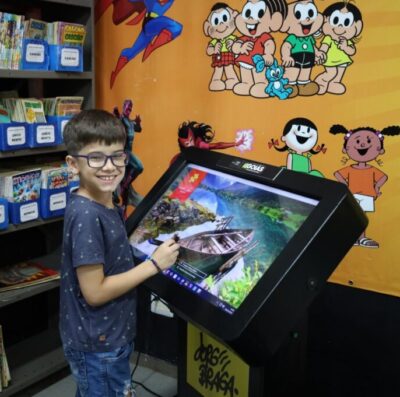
{"points": [[258, 242]]}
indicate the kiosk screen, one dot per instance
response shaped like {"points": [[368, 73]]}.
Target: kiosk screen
{"points": [[230, 230]]}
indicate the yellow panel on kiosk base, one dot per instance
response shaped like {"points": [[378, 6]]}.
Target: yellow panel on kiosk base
{"points": [[213, 370]]}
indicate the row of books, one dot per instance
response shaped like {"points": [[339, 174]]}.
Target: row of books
{"points": [[14, 28], [24, 184], [33, 110], [5, 376]]}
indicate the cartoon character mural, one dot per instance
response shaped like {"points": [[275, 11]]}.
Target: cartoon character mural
{"points": [[125, 193], [364, 145], [274, 74], [299, 51], [219, 26], [300, 136], [201, 135], [157, 29], [256, 21], [342, 26]]}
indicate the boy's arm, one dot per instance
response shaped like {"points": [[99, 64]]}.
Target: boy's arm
{"points": [[98, 289]]}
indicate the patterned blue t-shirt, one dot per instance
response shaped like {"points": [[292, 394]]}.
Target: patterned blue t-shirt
{"points": [[94, 234]]}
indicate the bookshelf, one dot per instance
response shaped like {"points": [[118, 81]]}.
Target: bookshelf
{"points": [[29, 316]]}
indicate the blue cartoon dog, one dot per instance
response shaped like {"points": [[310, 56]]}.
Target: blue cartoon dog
{"points": [[274, 75]]}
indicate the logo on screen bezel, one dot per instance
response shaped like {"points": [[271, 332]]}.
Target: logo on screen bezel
{"points": [[253, 167]]}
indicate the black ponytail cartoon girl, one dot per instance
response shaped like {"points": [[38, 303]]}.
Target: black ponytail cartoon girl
{"points": [[300, 136], [364, 145]]}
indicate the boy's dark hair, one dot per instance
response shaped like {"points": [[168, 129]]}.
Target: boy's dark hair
{"points": [[92, 126], [339, 6]]}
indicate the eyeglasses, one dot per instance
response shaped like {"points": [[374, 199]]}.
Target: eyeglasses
{"points": [[99, 160]]}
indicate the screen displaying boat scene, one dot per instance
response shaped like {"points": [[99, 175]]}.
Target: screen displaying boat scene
{"points": [[230, 231]]}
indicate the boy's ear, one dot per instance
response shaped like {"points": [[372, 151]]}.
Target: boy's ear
{"points": [[206, 26], [72, 164], [359, 26]]}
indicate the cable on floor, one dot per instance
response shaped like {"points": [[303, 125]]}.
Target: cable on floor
{"points": [[134, 382]]}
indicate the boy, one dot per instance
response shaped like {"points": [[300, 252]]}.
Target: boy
{"points": [[98, 277]]}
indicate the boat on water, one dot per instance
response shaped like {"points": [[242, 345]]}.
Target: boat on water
{"points": [[206, 253]]}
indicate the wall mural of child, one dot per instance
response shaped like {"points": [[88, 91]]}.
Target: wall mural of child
{"points": [[364, 145], [300, 136]]}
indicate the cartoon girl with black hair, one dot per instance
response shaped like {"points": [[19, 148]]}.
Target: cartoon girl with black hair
{"points": [[342, 26], [363, 145], [300, 136]]}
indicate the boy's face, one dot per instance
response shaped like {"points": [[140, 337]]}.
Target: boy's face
{"points": [[99, 182]]}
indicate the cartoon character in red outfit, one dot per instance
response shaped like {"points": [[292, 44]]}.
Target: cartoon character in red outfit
{"points": [[200, 135], [157, 29], [256, 21], [363, 145]]}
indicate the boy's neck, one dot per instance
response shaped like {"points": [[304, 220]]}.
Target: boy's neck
{"points": [[103, 199]]}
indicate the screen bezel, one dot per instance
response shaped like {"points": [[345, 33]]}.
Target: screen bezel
{"points": [[203, 313]]}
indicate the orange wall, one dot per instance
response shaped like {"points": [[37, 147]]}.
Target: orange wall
{"points": [[171, 86]]}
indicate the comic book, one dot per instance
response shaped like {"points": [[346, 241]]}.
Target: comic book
{"points": [[25, 274], [33, 110], [20, 186], [4, 115], [54, 177], [63, 105], [66, 33], [17, 43], [35, 29]]}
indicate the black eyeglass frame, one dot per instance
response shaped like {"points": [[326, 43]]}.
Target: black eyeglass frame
{"points": [[106, 158]]}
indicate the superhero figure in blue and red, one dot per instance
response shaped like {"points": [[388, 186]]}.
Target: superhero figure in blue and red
{"points": [[157, 29]]}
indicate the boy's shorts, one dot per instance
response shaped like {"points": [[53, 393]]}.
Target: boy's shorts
{"points": [[103, 374]]}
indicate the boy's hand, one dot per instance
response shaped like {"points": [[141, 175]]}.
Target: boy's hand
{"points": [[166, 254]]}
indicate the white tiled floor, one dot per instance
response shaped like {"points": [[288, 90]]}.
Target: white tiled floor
{"points": [[163, 385]]}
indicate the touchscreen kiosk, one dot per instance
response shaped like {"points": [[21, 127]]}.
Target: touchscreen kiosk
{"points": [[257, 242]]}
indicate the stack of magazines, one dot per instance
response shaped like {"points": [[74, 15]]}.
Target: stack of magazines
{"points": [[25, 274]]}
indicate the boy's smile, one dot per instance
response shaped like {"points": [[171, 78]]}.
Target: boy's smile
{"points": [[98, 183]]}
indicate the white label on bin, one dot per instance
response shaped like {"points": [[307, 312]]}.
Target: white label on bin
{"points": [[16, 136], [69, 57], [58, 201], [2, 213], [28, 212], [45, 134], [34, 53]]}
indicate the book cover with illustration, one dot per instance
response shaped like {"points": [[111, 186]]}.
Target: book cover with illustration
{"points": [[25, 274], [33, 110], [20, 186], [54, 177]]}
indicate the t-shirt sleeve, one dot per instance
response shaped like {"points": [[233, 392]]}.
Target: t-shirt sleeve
{"points": [[291, 39], [87, 239]]}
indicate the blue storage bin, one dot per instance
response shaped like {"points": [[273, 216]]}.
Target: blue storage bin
{"points": [[3, 213], [66, 58], [60, 122], [43, 134], [53, 202], [13, 136], [23, 212], [35, 54]]}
